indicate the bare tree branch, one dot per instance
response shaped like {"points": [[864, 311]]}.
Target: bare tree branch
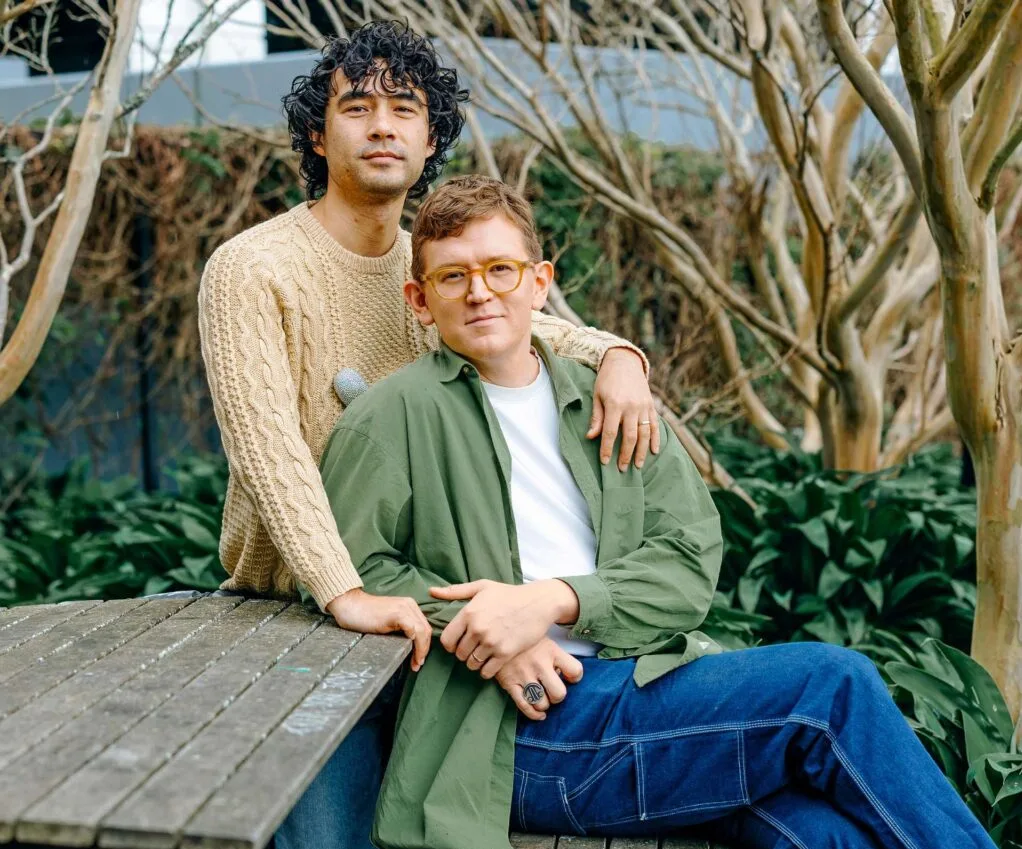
{"points": [[967, 47], [872, 89], [11, 14]]}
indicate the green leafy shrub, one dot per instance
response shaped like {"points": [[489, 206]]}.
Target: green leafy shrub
{"points": [[957, 710], [879, 562], [73, 537]]}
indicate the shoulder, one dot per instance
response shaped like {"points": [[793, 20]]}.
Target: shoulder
{"points": [[260, 246]]}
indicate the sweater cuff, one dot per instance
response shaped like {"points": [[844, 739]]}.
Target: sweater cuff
{"points": [[326, 585], [593, 606]]}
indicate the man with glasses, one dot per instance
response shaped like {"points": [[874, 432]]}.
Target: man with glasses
{"points": [[571, 691]]}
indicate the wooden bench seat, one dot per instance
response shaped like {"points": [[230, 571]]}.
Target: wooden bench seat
{"points": [[538, 841]]}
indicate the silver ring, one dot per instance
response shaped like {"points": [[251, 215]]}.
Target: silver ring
{"points": [[534, 692], [646, 423]]}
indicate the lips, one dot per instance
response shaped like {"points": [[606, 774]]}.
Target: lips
{"points": [[382, 156], [479, 318]]}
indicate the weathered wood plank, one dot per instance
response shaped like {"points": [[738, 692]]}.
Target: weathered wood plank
{"points": [[687, 843], [246, 811], [47, 672], [44, 767], [62, 635], [569, 841], [632, 843], [25, 727], [36, 622], [11, 615], [155, 814], [533, 841], [71, 813]]}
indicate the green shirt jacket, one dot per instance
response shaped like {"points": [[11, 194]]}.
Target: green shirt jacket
{"points": [[419, 476]]}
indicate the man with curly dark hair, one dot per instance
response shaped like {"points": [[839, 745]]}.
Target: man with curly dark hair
{"points": [[291, 308]]}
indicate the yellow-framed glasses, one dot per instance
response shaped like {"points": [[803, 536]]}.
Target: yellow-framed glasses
{"points": [[501, 276]]}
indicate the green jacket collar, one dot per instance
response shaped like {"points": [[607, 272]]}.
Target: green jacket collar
{"points": [[566, 390]]}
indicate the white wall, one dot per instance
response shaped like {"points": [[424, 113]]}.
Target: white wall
{"points": [[242, 38]]}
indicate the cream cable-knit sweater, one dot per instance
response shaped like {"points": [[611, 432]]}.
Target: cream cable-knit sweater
{"points": [[282, 308]]}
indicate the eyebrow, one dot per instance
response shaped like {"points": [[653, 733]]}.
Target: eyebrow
{"points": [[361, 94]]}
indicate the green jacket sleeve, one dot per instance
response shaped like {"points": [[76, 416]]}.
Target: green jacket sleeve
{"points": [[646, 598], [371, 498]]}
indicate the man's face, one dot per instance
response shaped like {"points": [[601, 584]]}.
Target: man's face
{"points": [[481, 325], [375, 139]]}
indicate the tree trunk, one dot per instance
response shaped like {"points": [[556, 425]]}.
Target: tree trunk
{"points": [[996, 637], [984, 377], [19, 354], [851, 423]]}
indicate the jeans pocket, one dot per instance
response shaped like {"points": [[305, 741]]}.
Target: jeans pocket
{"points": [[609, 794], [691, 773], [539, 806]]}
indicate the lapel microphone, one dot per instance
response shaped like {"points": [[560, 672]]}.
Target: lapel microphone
{"points": [[349, 384]]}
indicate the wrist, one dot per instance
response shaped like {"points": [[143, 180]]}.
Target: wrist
{"points": [[563, 603], [621, 352], [338, 600]]}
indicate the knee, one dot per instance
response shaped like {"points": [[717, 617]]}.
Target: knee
{"points": [[842, 668]]}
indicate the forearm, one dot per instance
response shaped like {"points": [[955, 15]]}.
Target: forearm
{"points": [[663, 588], [586, 345]]}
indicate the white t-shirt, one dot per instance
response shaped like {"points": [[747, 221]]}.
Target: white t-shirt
{"points": [[555, 531]]}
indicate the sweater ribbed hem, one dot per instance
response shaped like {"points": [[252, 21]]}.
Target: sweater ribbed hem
{"points": [[394, 260]]}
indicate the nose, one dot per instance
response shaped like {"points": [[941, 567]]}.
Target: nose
{"points": [[478, 291], [381, 127]]}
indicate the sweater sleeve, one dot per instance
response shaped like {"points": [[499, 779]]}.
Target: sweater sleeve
{"points": [[586, 345], [255, 400]]}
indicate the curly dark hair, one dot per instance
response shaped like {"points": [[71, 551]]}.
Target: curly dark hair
{"points": [[411, 61]]}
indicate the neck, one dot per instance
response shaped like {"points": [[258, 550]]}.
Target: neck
{"points": [[366, 226], [514, 369]]}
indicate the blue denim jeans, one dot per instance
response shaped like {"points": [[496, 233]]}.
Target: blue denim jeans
{"points": [[336, 810], [794, 746]]}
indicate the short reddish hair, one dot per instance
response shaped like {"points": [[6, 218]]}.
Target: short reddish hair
{"points": [[461, 201]]}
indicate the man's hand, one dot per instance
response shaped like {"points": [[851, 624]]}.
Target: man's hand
{"points": [[502, 620], [357, 610], [546, 663], [622, 402]]}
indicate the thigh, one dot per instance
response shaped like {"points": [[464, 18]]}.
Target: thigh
{"points": [[615, 757], [611, 759], [336, 810]]}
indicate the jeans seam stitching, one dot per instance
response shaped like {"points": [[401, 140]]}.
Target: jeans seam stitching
{"points": [[638, 738], [521, 803], [585, 785], [777, 824], [567, 807], [640, 774], [699, 807], [742, 781], [859, 781]]}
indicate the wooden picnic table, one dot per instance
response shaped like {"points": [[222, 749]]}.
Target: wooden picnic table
{"points": [[154, 724]]}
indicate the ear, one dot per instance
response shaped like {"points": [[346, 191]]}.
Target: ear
{"points": [[317, 143], [430, 147], [541, 288], [415, 297]]}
